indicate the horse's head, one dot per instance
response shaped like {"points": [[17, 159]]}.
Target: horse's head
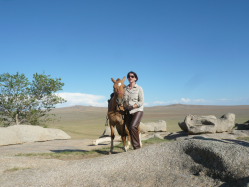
{"points": [[119, 90]]}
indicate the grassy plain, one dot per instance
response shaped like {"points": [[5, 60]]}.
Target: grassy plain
{"points": [[89, 122]]}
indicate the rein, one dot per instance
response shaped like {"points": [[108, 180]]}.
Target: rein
{"points": [[117, 109], [119, 105]]}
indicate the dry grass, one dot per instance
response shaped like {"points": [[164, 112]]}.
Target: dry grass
{"points": [[15, 169], [65, 155], [89, 122], [77, 154], [244, 138]]}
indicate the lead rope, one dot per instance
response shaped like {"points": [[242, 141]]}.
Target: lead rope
{"points": [[106, 122], [123, 116]]}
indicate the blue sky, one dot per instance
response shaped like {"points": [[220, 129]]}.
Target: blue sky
{"points": [[188, 52]]}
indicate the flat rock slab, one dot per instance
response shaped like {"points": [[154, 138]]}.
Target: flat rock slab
{"points": [[10, 161], [17, 134], [50, 146]]}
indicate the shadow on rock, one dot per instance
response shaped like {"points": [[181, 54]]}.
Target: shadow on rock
{"points": [[211, 161], [208, 139], [69, 150], [242, 126], [240, 142], [103, 152], [174, 136], [244, 182], [214, 158], [106, 152]]}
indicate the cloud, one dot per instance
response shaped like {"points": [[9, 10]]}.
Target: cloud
{"points": [[159, 103], [146, 104], [101, 101], [82, 99], [179, 101], [192, 101], [234, 101], [224, 100], [185, 100]]}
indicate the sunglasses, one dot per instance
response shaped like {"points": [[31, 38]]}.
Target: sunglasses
{"points": [[131, 76]]}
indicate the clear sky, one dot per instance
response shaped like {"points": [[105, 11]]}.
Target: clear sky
{"points": [[184, 51]]}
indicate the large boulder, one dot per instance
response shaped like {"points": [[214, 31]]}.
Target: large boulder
{"points": [[199, 124], [226, 123], [159, 126], [194, 124], [28, 133]]}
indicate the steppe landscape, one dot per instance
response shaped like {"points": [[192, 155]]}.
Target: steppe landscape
{"points": [[193, 161], [89, 122]]}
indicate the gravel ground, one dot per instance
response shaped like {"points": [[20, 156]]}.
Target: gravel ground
{"points": [[180, 163]]}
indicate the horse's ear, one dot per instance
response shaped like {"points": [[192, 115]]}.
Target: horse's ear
{"points": [[113, 80], [123, 80]]}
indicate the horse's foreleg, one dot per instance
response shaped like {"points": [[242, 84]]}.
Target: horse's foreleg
{"points": [[127, 139], [124, 143], [123, 137], [112, 138]]}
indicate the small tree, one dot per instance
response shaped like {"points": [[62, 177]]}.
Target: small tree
{"points": [[22, 101]]}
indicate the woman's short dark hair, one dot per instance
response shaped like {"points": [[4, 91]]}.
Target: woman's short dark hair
{"points": [[132, 72]]}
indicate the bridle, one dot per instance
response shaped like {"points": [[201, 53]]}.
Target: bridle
{"points": [[119, 101]]}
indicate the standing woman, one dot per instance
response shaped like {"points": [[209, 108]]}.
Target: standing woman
{"points": [[134, 105]]}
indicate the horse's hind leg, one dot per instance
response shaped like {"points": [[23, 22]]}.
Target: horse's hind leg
{"points": [[112, 138], [140, 136]]}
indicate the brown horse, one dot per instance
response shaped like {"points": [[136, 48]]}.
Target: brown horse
{"points": [[116, 114]]}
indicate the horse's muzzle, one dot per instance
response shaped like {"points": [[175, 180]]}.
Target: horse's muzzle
{"points": [[120, 101]]}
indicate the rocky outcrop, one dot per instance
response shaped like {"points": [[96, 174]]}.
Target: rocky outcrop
{"points": [[28, 133], [194, 162], [155, 127], [220, 159], [194, 124], [225, 123]]}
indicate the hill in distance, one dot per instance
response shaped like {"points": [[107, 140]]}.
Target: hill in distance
{"points": [[89, 122]]}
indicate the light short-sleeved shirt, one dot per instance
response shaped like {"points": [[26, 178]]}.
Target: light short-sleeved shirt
{"points": [[134, 96]]}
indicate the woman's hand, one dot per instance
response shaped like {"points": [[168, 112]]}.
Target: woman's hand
{"points": [[129, 108]]}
